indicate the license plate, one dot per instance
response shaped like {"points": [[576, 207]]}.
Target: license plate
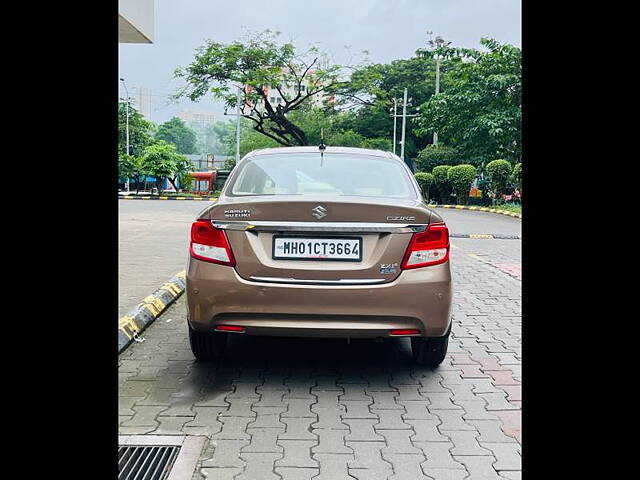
{"points": [[345, 249]]}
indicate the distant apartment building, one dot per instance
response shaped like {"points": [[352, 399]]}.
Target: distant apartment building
{"points": [[143, 101], [135, 21], [198, 119]]}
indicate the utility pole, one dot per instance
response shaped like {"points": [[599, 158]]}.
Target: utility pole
{"points": [[404, 122], [127, 110], [405, 103], [238, 126], [439, 42]]}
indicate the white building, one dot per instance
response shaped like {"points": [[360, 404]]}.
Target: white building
{"points": [[143, 100], [199, 119], [135, 21]]}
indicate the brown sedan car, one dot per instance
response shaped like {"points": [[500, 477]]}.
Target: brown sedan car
{"points": [[320, 242]]}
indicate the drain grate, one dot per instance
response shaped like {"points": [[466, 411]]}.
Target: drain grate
{"points": [[138, 462]]}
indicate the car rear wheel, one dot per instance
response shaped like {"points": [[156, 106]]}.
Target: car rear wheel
{"points": [[207, 345], [430, 351]]}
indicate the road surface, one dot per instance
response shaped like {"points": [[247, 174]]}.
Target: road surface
{"points": [[286, 408]]}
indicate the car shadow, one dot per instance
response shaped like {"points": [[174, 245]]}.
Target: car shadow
{"points": [[318, 353], [297, 362]]}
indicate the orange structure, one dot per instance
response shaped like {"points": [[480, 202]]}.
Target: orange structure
{"points": [[209, 177]]}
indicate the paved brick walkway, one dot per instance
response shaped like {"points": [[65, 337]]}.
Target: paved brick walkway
{"points": [[306, 408]]}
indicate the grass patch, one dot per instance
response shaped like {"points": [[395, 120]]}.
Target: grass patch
{"points": [[510, 207]]}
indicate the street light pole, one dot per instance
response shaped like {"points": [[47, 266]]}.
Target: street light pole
{"points": [[127, 110], [395, 107], [238, 115], [437, 43], [238, 126], [435, 134]]}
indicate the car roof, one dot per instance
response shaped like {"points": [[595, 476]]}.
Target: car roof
{"points": [[329, 149]]}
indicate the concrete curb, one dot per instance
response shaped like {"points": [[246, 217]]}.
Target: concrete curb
{"points": [[479, 209], [497, 236], [132, 197], [136, 320], [211, 199]]}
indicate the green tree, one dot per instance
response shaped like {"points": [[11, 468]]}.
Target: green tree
{"points": [[256, 65], [372, 89], [140, 131], [434, 155], [181, 173], [132, 168], [186, 181], [383, 144], [126, 166], [175, 131], [312, 121], [499, 173], [479, 113], [441, 182], [461, 177], [160, 161]]}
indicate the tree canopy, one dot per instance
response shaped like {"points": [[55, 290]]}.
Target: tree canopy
{"points": [[175, 131], [161, 160], [140, 131], [253, 66], [479, 112]]}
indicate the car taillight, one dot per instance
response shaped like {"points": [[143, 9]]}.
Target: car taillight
{"points": [[404, 331], [229, 328], [210, 244], [430, 247]]}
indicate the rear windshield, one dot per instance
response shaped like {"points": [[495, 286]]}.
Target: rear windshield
{"points": [[334, 174]]}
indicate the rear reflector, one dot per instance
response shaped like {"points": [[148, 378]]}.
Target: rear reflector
{"points": [[210, 244], [430, 247], [229, 328], [408, 331]]}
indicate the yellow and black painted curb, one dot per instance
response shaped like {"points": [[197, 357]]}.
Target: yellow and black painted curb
{"points": [[479, 209], [136, 320], [156, 197], [498, 236]]}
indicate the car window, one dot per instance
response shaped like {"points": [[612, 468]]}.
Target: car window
{"points": [[333, 174]]}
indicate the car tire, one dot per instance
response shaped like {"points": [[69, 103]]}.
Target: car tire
{"points": [[207, 345], [430, 351]]}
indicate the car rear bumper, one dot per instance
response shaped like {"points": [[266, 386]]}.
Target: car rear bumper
{"points": [[418, 299]]}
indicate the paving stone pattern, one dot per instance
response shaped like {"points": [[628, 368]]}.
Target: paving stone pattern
{"points": [[289, 409]]}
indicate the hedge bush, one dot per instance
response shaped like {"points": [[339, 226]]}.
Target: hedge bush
{"points": [[461, 177], [441, 182], [434, 155], [499, 172], [425, 180]]}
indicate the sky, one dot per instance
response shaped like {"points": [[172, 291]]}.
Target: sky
{"points": [[387, 29]]}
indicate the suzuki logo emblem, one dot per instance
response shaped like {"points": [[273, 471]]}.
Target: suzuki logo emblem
{"points": [[319, 212]]}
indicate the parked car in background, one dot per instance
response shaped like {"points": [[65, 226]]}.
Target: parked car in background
{"points": [[310, 242]]}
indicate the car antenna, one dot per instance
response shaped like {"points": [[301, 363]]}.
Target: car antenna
{"points": [[322, 146]]}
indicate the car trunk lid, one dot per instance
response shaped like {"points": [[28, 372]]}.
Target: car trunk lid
{"points": [[384, 226]]}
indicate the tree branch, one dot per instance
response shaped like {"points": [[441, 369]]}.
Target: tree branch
{"points": [[259, 128], [304, 74]]}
